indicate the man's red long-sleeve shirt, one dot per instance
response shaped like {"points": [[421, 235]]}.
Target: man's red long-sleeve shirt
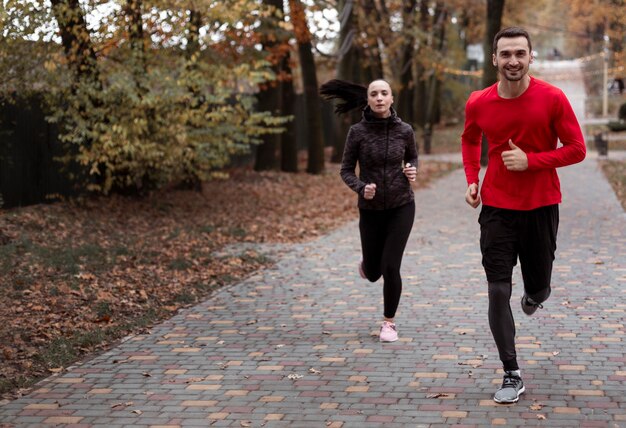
{"points": [[535, 121]]}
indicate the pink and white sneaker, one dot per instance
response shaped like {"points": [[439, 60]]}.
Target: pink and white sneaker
{"points": [[388, 332], [361, 271]]}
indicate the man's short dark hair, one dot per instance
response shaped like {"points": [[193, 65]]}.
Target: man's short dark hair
{"points": [[511, 32]]}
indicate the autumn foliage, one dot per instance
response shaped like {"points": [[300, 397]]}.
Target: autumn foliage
{"points": [[142, 98]]}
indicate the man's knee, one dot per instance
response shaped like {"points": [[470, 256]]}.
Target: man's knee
{"points": [[499, 292], [541, 296]]}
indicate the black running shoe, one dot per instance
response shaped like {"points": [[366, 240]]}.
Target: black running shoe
{"points": [[512, 387], [529, 306]]}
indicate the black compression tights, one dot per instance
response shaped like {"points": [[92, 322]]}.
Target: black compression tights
{"points": [[502, 323], [384, 234]]}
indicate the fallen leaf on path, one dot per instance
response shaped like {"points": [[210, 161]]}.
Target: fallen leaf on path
{"points": [[473, 363], [295, 376], [437, 395]]}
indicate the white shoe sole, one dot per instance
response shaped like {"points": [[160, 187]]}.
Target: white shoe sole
{"points": [[520, 392]]}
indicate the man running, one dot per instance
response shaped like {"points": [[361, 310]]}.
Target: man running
{"points": [[523, 119]]}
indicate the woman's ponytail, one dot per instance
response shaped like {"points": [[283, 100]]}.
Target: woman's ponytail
{"points": [[351, 95]]}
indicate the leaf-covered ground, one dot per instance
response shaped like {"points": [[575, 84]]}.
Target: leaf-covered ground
{"points": [[615, 172], [77, 276]]}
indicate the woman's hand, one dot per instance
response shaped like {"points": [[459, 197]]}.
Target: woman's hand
{"points": [[369, 191], [410, 172]]}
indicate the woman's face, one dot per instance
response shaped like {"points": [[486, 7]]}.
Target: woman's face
{"points": [[379, 98]]}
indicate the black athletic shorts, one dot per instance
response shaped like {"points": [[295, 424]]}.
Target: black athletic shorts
{"points": [[506, 235]]}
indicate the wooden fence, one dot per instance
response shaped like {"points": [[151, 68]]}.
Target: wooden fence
{"points": [[28, 145]]}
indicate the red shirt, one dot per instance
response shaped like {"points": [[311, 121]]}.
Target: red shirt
{"points": [[535, 121]]}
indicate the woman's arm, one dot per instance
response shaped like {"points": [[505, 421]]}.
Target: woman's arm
{"points": [[348, 163]]}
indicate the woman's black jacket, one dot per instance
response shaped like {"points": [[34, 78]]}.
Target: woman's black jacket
{"points": [[381, 147]]}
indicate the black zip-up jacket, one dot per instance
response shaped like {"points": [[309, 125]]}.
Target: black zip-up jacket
{"points": [[381, 147]]}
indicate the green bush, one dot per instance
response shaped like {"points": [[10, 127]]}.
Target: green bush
{"points": [[148, 134], [617, 125]]}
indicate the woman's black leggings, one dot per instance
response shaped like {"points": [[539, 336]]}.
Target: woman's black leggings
{"points": [[384, 234]]}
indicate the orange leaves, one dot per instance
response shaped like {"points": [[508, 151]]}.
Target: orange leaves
{"points": [[300, 26], [8, 353], [277, 52]]}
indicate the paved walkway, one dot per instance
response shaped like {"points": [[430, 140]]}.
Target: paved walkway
{"points": [[296, 345]]}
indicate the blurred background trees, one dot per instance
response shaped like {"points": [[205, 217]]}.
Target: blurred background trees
{"points": [[147, 93]]}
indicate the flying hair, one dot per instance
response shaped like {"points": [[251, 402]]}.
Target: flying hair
{"points": [[351, 95]]}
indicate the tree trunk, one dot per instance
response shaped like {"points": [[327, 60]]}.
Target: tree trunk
{"points": [[347, 32], [405, 96], [138, 64], [136, 36], [197, 99], [193, 38], [315, 162], [348, 68], [495, 9], [76, 42], [421, 96], [374, 64], [288, 142], [192, 53], [86, 84], [268, 152], [269, 96], [439, 28], [139, 69]]}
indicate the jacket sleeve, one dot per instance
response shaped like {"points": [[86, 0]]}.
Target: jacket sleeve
{"points": [[348, 163], [569, 134], [410, 154]]}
